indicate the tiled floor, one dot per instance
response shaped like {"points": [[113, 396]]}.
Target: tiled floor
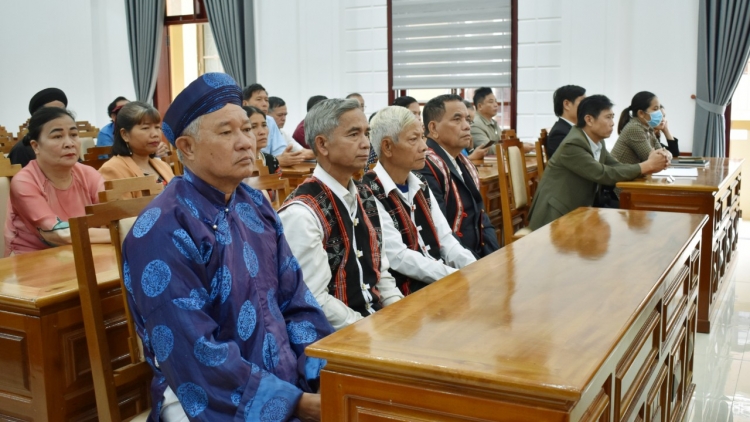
{"points": [[722, 361]]}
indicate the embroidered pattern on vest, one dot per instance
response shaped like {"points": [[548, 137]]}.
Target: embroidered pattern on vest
{"points": [[401, 217], [337, 229], [440, 170]]}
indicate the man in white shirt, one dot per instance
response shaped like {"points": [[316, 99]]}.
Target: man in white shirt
{"points": [[333, 225], [417, 240], [278, 111]]}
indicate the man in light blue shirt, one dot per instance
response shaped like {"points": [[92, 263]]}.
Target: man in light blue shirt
{"points": [[257, 96], [107, 133]]}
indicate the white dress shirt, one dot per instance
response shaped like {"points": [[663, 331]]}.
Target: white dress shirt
{"points": [[305, 234], [291, 141], [454, 163], [414, 264]]}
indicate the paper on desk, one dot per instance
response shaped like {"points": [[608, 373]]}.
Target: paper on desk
{"points": [[677, 172]]}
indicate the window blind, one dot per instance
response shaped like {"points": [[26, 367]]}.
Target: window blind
{"points": [[450, 44]]}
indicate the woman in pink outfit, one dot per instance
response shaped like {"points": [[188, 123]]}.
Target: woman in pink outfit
{"points": [[51, 189]]}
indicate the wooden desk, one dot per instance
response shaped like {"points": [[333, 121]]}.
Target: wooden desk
{"points": [[297, 174], [46, 372], [589, 318], [489, 187], [716, 193]]}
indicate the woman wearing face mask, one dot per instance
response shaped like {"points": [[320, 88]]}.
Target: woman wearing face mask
{"points": [[673, 145], [51, 189], [636, 129], [137, 137]]}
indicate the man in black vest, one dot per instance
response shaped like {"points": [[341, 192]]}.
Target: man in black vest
{"points": [[417, 240], [452, 177], [333, 224]]}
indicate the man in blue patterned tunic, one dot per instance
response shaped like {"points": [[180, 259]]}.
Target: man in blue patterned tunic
{"points": [[216, 294]]}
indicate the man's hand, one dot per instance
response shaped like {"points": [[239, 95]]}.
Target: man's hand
{"points": [[308, 408], [162, 150], [527, 147], [307, 154], [289, 158], [478, 153], [656, 162]]}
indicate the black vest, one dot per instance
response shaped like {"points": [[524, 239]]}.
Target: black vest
{"points": [[401, 216], [337, 227]]}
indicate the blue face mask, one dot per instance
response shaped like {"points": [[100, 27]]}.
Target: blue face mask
{"points": [[656, 118]]}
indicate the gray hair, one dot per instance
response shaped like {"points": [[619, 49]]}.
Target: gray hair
{"points": [[389, 122], [192, 130], [324, 117]]}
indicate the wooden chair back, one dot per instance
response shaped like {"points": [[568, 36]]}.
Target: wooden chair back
{"points": [[515, 199], [272, 182], [123, 189], [95, 152], [541, 152], [136, 374], [87, 130], [7, 171], [173, 160]]}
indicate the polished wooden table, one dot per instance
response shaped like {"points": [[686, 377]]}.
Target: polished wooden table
{"points": [[46, 372], [297, 174], [489, 187], [589, 318], [716, 193]]}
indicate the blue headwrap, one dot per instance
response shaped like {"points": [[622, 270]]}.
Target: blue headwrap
{"points": [[208, 93]]}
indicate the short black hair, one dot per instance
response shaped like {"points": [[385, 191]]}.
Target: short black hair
{"points": [[274, 102], [251, 89], [315, 99], [130, 115], [592, 106], [404, 101], [567, 92], [111, 107], [480, 94], [250, 110], [435, 108]]}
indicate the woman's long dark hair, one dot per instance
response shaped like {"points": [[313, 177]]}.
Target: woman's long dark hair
{"points": [[250, 110], [130, 115], [42, 117], [641, 101]]}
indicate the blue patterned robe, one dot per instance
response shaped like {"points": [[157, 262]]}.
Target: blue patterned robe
{"points": [[220, 304]]}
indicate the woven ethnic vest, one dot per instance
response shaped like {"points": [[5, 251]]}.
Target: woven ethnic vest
{"points": [[401, 216], [337, 231]]}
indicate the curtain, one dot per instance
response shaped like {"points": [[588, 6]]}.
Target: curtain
{"points": [[723, 51], [232, 24], [145, 19]]}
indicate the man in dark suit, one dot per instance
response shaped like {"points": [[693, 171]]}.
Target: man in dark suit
{"points": [[565, 100], [452, 177], [582, 164]]}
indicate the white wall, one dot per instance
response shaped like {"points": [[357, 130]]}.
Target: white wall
{"points": [[326, 47], [616, 48], [79, 46]]}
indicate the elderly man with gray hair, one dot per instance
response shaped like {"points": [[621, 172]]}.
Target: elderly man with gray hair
{"points": [[335, 223], [417, 239]]}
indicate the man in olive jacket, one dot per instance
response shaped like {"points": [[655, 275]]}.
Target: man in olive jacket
{"points": [[582, 163]]}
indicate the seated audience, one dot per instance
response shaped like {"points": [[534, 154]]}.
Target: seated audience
{"points": [[582, 164], [411, 103], [479, 152], [417, 240], [565, 101], [255, 95], [636, 129], [259, 128], [52, 188], [221, 309], [485, 128], [359, 98], [452, 177], [336, 223], [21, 153], [299, 132], [137, 139], [277, 110], [672, 145], [106, 135]]}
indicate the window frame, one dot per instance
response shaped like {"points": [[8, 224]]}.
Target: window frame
{"points": [[513, 62]]}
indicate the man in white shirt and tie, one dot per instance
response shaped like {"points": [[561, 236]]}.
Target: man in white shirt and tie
{"points": [[333, 224], [417, 239]]}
